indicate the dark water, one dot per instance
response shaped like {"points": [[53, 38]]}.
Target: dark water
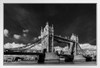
{"points": [[50, 63]]}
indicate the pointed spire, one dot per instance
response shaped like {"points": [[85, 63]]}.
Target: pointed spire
{"points": [[52, 28], [77, 39], [47, 23], [41, 32], [41, 29]]}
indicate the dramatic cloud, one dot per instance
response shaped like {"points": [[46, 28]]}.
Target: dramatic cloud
{"points": [[17, 36], [13, 45], [26, 30], [88, 46], [6, 32], [66, 18], [24, 35]]}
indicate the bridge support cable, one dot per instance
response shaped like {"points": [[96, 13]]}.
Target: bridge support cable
{"points": [[21, 48], [25, 47], [81, 50]]}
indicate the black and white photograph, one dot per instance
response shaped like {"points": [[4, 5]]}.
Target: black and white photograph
{"points": [[50, 34]]}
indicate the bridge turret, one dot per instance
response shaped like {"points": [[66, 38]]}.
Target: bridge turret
{"points": [[48, 33], [74, 38], [41, 32]]}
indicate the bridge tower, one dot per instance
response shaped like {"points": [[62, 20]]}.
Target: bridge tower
{"points": [[77, 48], [75, 38], [47, 39]]}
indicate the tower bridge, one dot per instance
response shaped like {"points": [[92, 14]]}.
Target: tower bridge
{"points": [[46, 39]]}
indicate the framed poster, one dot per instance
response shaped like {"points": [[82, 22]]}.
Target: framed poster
{"points": [[49, 33]]}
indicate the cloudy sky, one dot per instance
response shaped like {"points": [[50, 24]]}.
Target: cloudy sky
{"points": [[22, 22]]}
